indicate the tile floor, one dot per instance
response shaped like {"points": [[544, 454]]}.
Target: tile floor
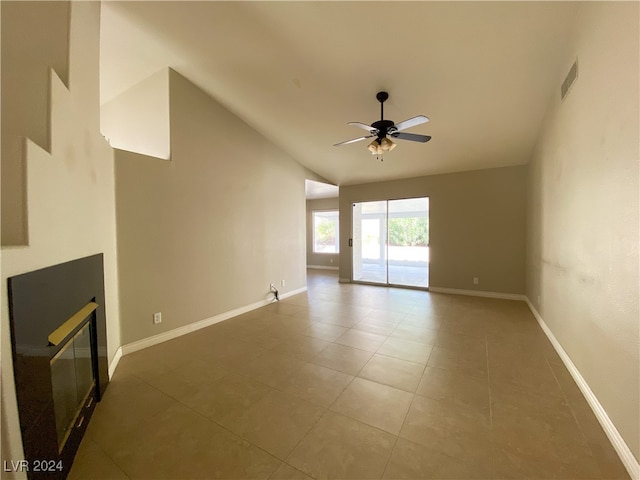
{"points": [[350, 382]]}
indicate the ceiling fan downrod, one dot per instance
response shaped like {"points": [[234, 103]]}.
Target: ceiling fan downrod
{"points": [[382, 97], [382, 126]]}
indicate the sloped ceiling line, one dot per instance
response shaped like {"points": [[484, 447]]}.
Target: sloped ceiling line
{"points": [[297, 72]]}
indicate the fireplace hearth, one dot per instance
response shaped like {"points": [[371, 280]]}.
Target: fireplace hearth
{"points": [[58, 338]]}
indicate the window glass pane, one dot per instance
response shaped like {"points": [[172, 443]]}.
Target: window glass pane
{"points": [[326, 237]]}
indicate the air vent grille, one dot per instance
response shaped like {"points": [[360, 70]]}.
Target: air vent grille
{"points": [[569, 80]]}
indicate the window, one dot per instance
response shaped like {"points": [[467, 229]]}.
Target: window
{"points": [[326, 236]]}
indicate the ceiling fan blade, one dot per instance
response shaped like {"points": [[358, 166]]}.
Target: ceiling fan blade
{"points": [[411, 122], [352, 141], [364, 126], [414, 137]]}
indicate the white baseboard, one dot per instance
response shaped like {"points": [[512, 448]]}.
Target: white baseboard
{"points": [[478, 293], [344, 280], [293, 293], [207, 322], [290, 294], [620, 446], [114, 362], [323, 267]]}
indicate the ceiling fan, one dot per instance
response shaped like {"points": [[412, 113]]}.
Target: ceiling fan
{"points": [[382, 129]]}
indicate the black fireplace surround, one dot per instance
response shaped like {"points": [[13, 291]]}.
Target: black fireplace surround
{"points": [[40, 302]]}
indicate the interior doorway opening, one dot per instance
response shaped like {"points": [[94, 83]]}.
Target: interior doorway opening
{"points": [[323, 225], [391, 242]]}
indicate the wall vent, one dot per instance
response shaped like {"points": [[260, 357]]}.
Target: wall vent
{"points": [[569, 80]]}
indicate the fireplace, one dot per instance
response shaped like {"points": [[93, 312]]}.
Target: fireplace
{"points": [[72, 371], [58, 336]]}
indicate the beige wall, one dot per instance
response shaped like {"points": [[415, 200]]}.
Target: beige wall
{"points": [[69, 191], [34, 39], [582, 258], [208, 231], [320, 259], [476, 226]]}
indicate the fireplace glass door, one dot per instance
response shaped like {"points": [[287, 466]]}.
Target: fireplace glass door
{"points": [[72, 380]]}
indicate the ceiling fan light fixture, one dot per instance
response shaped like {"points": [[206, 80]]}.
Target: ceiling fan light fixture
{"points": [[374, 148], [387, 145]]}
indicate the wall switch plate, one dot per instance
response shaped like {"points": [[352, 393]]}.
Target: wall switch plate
{"points": [[476, 280], [157, 318], [282, 283]]}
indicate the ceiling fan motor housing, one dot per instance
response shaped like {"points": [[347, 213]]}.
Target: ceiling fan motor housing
{"points": [[383, 127]]}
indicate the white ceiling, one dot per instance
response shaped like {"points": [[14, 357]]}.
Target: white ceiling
{"points": [[314, 190], [483, 72]]}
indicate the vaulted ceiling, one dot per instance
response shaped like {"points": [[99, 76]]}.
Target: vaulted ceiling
{"points": [[483, 72]]}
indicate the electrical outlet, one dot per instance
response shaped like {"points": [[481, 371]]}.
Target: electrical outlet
{"points": [[282, 283], [331, 260], [476, 280], [157, 318]]}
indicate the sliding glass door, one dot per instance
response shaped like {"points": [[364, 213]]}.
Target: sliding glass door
{"points": [[408, 242], [391, 242], [370, 242]]}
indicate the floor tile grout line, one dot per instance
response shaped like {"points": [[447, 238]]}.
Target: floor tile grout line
{"points": [[234, 434], [489, 376], [413, 394], [385, 432], [290, 466], [243, 439], [492, 430], [324, 412], [404, 419], [352, 380], [393, 449], [106, 454], [221, 426], [374, 353], [286, 460], [573, 413]]}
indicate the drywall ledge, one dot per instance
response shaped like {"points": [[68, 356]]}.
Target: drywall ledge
{"points": [[139, 155], [138, 120], [192, 327], [621, 447]]}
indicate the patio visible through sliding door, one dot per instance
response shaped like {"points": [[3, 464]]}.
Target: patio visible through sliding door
{"points": [[408, 242], [370, 242], [391, 242]]}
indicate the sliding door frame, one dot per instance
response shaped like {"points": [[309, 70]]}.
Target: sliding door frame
{"points": [[386, 246]]}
